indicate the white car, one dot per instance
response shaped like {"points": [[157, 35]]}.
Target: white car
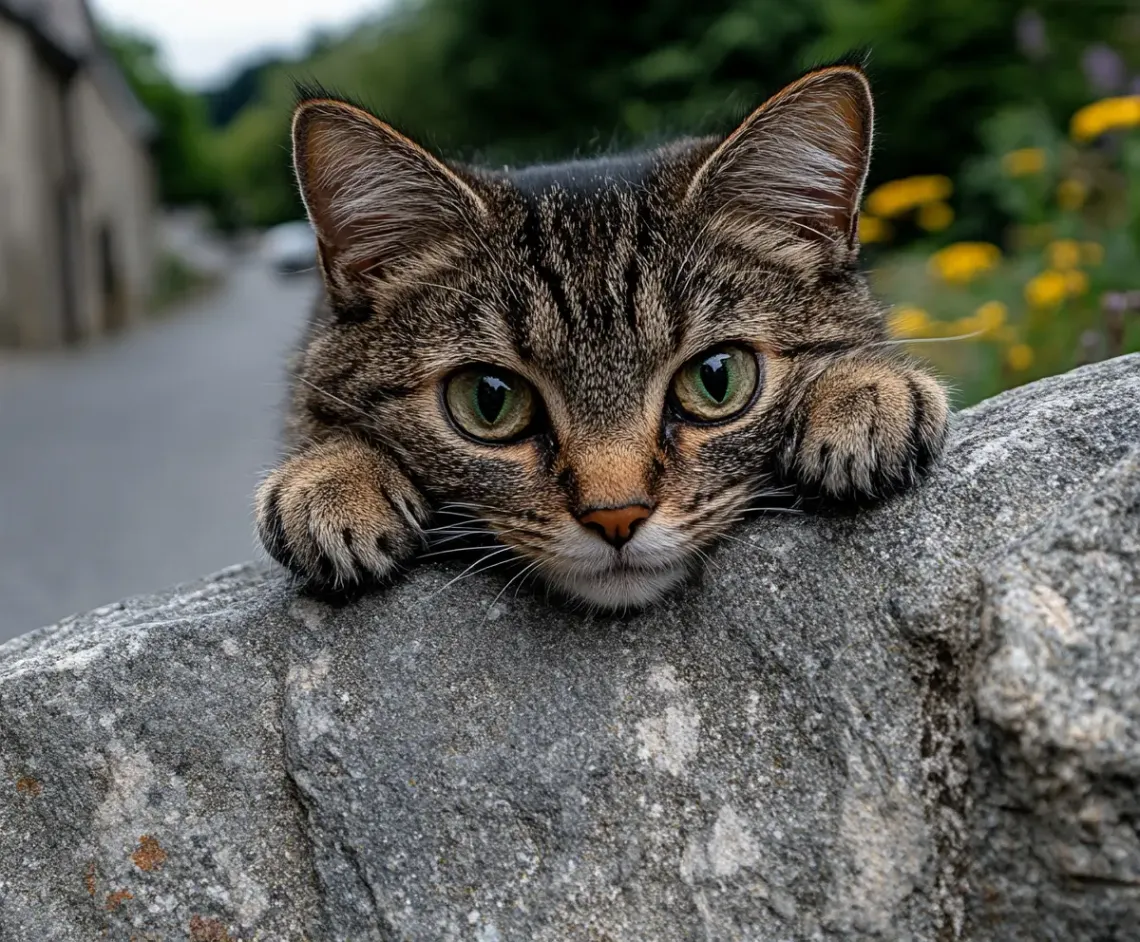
{"points": [[291, 247]]}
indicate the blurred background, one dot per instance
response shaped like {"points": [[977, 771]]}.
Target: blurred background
{"points": [[154, 272]]}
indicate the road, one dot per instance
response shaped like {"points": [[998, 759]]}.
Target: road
{"points": [[130, 465]]}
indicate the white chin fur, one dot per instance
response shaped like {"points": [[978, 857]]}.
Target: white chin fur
{"points": [[619, 589]]}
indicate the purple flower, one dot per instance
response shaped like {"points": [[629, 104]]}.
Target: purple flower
{"points": [[1104, 68], [1030, 34]]}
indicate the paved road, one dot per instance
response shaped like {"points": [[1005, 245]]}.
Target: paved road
{"points": [[130, 465]]}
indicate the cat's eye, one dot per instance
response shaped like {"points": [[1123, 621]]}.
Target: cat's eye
{"points": [[716, 385], [491, 404]]}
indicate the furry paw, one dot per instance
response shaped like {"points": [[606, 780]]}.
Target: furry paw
{"points": [[867, 429], [340, 514]]}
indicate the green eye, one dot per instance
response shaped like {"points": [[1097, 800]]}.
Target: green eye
{"points": [[717, 384], [490, 404]]}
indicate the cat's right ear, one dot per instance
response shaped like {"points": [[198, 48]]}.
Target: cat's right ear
{"points": [[382, 207]]}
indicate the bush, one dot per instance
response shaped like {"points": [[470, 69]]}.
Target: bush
{"points": [[1062, 288]]}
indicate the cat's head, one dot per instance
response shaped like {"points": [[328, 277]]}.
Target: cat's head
{"points": [[597, 360]]}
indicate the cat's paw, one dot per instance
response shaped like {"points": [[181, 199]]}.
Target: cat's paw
{"points": [[867, 429], [340, 514]]}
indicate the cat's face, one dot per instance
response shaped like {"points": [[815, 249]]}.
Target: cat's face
{"points": [[596, 361]]}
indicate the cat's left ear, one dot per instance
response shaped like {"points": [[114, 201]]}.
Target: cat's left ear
{"points": [[799, 161]]}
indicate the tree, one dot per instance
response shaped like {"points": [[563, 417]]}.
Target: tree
{"points": [[188, 172]]}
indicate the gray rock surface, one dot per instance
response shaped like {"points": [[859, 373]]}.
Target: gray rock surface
{"points": [[920, 722]]}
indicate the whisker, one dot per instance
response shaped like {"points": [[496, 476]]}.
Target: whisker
{"points": [[459, 291], [705, 557], [334, 398], [462, 515], [453, 550], [460, 535], [456, 503], [498, 552], [534, 571], [461, 519], [466, 533], [458, 527], [774, 510], [478, 572], [462, 523], [373, 429], [736, 539], [515, 578], [900, 340]]}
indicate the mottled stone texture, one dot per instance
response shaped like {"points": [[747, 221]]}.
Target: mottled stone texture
{"points": [[918, 722]]}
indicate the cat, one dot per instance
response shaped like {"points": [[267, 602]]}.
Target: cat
{"points": [[602, 364]]}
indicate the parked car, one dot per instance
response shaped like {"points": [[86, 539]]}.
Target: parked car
{"points": [[291, 247]]}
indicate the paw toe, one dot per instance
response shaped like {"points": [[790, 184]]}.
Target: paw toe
{"points": [[329, 521], [871, 430]]}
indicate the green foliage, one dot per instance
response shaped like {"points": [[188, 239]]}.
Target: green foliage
{"points": [[512, 81], [545, 80], [225, 103], [941, 68], [188, 171], [960, 85]]}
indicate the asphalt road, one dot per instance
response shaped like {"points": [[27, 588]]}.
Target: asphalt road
{"points": [[130, 465]]}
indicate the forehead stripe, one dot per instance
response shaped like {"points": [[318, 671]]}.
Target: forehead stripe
{"points": [[533, 247]]}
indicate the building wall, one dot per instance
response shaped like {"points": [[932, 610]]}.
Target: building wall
{"points": [[118, 212], [31, 305], [77, 203]]}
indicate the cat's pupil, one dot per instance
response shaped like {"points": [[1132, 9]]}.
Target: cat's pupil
{"points": [[490, 397], [714, 376]]}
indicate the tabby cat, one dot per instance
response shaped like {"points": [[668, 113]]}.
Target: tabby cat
{"points": [[600, 364]]}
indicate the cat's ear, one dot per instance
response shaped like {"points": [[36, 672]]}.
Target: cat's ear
{"points": [[380, 203], [799, 161]]}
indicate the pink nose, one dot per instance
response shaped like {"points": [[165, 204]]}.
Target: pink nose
{"points": [[616, 524]]}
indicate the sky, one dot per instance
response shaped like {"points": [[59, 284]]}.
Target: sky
{"points": [[206, 40]]}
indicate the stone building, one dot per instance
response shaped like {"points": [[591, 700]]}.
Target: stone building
{"points": [[77, 195]]}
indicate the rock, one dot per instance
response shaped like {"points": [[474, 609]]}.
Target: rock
{"points": [[920, 722], [1057, 849]]}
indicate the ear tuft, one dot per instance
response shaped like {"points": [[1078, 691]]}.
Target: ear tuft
{"points": [[377, 200], [799, 161]]}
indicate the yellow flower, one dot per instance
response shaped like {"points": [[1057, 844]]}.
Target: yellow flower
{"points": [[964, 325], [1024, 162], [1019, 356], [900, 196], [1071, 194], [1108, 114], [1047, 289], [934, 217], [990, 317], [962, 262], [1063, 254], [1092, 253], [874, 229], [1076, 283], [909, 321]]}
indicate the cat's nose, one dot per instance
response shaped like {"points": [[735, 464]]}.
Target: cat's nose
{"points": [[616, 524]]}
